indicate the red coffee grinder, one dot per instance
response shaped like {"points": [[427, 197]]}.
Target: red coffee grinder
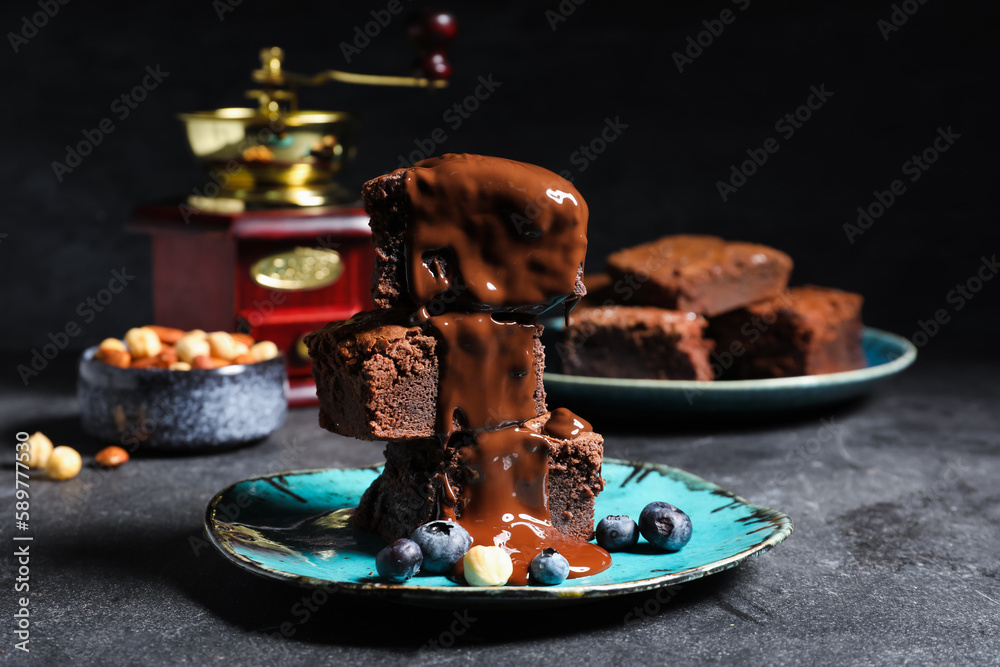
{"points": [[272, 244]]}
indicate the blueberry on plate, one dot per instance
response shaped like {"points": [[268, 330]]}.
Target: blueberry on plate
{"points": [[665, 526], [443, 544], [549, 568], [617, 533], [399, 561]]}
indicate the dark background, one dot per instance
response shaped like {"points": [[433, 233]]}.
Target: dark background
{"points": [[606, 60]]}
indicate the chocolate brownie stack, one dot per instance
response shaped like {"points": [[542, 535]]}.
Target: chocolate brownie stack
{"points": [[701, 308], [470, 250]]}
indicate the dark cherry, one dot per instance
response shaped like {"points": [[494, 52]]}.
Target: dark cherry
{"points": [[435, 66], [431, 31]]}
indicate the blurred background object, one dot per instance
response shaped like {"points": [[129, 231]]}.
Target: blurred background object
{"points": [[763, 123]]}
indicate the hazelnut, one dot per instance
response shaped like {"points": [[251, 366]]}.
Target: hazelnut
{"points": [[119, 358], [207, 363], [264, 350], [180, 366], [111, 457], [191, 346], [39, 450], [143, 342], [167, 335], [246, 339], [197, 333], [224, 347], [64, 463], [487, 566], [110, 345]]}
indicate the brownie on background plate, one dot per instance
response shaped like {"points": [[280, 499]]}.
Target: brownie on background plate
{"points": [[805, 331], [636, 342], [702, 274]]}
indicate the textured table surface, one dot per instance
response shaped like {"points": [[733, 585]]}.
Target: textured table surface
{"points": [[895, 555]]}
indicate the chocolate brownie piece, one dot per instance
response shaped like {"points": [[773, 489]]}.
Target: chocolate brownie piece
{"points": [[703, 274], [804, 331], [636, 342], [420, 473], [482, 231], [377, 376]]}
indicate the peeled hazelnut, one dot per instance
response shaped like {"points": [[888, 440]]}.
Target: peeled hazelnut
{"points": [[111, 457], [39, 450], [180, 366], [64, 463], [487, 566], [264, 350], [110, 345], [191, 346], [143, 342], [197, 333], [167, 335], [224, 347]]}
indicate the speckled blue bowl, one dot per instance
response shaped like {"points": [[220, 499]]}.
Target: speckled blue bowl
{"points": [[159, 409]]}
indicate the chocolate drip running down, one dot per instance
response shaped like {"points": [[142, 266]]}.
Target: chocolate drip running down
{"points": [[499, 234], [487, 371], [507, 237]]}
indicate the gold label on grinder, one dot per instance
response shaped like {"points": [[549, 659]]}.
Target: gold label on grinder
{"points": [[298, 269]]}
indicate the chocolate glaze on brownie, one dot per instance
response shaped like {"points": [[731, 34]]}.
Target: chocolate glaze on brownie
{"points": [[805, 331], [703, 274], [636, 342], [481, 232], [419, 473], [377, 374]]}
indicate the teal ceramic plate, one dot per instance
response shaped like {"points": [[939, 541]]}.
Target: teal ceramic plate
{"points": [[294, 526], [887, 355]]}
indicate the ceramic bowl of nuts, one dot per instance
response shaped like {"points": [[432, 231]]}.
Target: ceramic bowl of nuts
{"points": [[173, 390]]}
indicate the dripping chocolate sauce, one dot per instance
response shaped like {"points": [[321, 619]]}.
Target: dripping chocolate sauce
{"points": [[488, 383]]}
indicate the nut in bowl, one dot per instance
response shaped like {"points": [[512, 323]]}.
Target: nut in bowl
{"points": [[169, 390]]}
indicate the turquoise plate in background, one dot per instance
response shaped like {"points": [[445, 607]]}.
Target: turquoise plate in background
{"points": [[887, 354], [294, 526]]}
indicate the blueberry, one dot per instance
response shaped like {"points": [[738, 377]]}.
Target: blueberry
{"points": [[665, 526], [549, 568], [617, 533], [399, 561], [443, 543]]}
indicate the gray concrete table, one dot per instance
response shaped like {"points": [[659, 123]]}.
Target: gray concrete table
{"points": [[895, 555]]}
